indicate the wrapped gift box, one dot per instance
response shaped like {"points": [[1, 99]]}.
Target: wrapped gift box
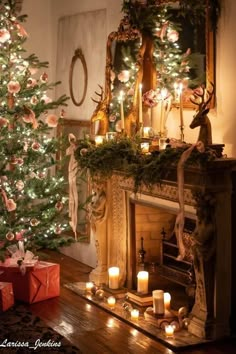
{"points": [[34, 283], [6, 296]]}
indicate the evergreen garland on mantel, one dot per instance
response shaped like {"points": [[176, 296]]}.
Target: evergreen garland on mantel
{"points": [[124, 155], [138, 10]]}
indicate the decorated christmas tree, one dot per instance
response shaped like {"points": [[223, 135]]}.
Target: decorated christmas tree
{"points": [[33, 205]]}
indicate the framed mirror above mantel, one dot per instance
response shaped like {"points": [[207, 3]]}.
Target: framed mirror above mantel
{"points": [[159, 46]]}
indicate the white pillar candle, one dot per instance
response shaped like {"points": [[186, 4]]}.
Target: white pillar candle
{"points": [[89, 286], [181, 104], [99, 140], [167, 299], [114, 273], [134, 314], [122, 117], [111, 301], [176, 90], [140, 104], [162, 118], [169, 330], [142, 282], [158, 302]]}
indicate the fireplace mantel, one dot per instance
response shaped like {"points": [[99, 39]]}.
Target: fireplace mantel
{"points": [[208, 192]]}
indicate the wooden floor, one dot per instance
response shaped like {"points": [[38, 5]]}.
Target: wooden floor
{"points": [[95, 331]]}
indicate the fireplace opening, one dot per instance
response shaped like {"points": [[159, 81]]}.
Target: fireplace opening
{"points": [[153, 247]]}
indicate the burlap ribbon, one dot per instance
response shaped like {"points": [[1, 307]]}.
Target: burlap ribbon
{"points": [[179, 223], [72, 177]]}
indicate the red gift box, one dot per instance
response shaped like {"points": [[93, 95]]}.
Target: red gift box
{"points": [[6, 296], [37, 283]]}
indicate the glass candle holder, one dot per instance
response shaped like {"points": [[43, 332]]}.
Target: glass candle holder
{"points": [[169, 331], [111, 135], [111, 301], [99, 140], [162, 143], [134, 315], [147, 132], [89, 286], [144, 148]]}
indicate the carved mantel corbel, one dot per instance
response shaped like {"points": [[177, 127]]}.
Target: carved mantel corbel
{"points": [[204, 258]]}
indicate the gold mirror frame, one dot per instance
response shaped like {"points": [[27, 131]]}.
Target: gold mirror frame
{"points": [[123, 34], [78, 55], [128, 34]]}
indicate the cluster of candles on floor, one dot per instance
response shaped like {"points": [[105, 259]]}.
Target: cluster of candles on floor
{"points": [[161, 299]]}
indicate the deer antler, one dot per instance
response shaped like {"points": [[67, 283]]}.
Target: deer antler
{"points": [[201, 93], [101, 95]]}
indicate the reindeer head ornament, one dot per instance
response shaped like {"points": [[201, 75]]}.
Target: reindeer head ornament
{"points": [[202, 98]]}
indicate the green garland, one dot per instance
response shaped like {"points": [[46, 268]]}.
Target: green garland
{"points": [[124, 155], [143, 15]]}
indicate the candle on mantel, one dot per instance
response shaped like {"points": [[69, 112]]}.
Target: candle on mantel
{"points": [[167, 299], [181, 104], [146, 132], [169, 330], [176, 90], [122, 117], [89, 286], [114, 273], [162, 119], [144, 148], [99, 140], [111, 301], [158, 302], [142, 282], [134, 315], [140, 104]]}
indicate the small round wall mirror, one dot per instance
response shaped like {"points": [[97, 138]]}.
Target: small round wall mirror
{"points": [[78, 78]]}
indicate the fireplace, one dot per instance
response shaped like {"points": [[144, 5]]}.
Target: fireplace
{"points": [[207, 201]]}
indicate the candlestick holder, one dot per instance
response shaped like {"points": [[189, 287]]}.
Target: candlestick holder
{"points": [[117, 293], [140, 129], [182, 133], [141, 252]]}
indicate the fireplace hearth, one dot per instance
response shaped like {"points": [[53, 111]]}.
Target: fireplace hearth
{"points": [[207, 202]]}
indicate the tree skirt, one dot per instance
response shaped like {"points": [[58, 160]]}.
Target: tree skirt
{"points": [[22, 332]]}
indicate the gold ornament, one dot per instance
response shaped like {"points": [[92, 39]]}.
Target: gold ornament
{"points": [[58, 230], [186, 322], [59, 206], [10, 236], [34, 222], [176, 325], [100, 294]]}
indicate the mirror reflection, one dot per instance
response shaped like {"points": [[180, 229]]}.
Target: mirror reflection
{"points": [[158, 53]]}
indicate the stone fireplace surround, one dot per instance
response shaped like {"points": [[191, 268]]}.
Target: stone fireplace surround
{"points": [[206, 191]]}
